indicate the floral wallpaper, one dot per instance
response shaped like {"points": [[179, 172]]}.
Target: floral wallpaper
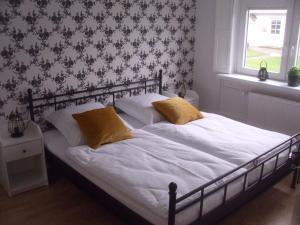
{"points": [[54, 45]]}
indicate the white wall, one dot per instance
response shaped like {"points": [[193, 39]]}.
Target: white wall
{"points": [[205, 82]]}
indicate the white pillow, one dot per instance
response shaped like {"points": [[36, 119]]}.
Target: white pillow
{"points": [[64, 122], [140, 107]]}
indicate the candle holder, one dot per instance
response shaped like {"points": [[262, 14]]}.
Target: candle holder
{"points": [[16, 124]]}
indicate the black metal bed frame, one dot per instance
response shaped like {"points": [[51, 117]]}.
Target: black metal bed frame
{"points": [[228, 205], [59, 101]]}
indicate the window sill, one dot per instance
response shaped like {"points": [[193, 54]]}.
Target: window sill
{"points": [[254, 81]]}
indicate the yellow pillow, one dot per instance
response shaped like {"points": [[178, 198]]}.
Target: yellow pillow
{"points": [[177, 110], [102, 126]]}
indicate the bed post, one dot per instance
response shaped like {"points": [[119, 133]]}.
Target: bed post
{"points": [[160, 81], [30, 103], [172, 203]]}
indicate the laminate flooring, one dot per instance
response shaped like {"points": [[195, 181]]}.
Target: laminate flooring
{"points": [[62, 203]]}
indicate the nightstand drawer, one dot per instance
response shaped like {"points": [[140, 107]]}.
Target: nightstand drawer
{"points": [[16, 152]]}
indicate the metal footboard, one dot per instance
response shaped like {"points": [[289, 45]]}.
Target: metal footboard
{"points": [[199, 194]]}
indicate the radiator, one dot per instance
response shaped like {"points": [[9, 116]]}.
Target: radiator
{"points": [[274, 113]]}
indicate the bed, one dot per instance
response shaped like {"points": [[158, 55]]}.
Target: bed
{"points": [[175, 200]]}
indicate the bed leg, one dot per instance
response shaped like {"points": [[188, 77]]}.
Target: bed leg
{"points": [[296, 168], [295, 178], [172, 203]]}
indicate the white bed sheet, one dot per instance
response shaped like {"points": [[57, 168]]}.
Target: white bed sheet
{"points": [[146, 157], [227, 139]]}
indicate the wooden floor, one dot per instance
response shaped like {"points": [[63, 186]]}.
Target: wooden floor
{"points": [[62, 203]]}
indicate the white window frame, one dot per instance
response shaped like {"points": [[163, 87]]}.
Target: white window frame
{"points": [[295, 36], [297, 52], [244, 7]]}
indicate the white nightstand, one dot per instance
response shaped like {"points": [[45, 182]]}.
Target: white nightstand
{"points": [[22, 160], [192, 97]]}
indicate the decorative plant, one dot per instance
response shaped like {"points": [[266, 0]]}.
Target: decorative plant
{"points": [[294, 77], [294, 71]]}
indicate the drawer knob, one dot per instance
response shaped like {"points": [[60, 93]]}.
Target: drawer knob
{"points": [[24, 151]]}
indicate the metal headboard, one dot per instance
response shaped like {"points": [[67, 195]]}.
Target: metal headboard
{"points": [[51, 100]]}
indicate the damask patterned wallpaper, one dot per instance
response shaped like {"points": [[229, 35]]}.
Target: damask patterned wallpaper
{"points": [[53, 45]]}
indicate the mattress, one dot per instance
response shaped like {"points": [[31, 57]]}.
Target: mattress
{"points": [[227, 139], [142, 169]]}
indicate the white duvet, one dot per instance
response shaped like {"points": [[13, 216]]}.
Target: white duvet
{"points": [[142, 168], [222, 137]]}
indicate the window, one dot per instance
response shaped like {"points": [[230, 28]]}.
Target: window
{"points": [[275, 27], [248, 32], [266, 34], [262, 46]]}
